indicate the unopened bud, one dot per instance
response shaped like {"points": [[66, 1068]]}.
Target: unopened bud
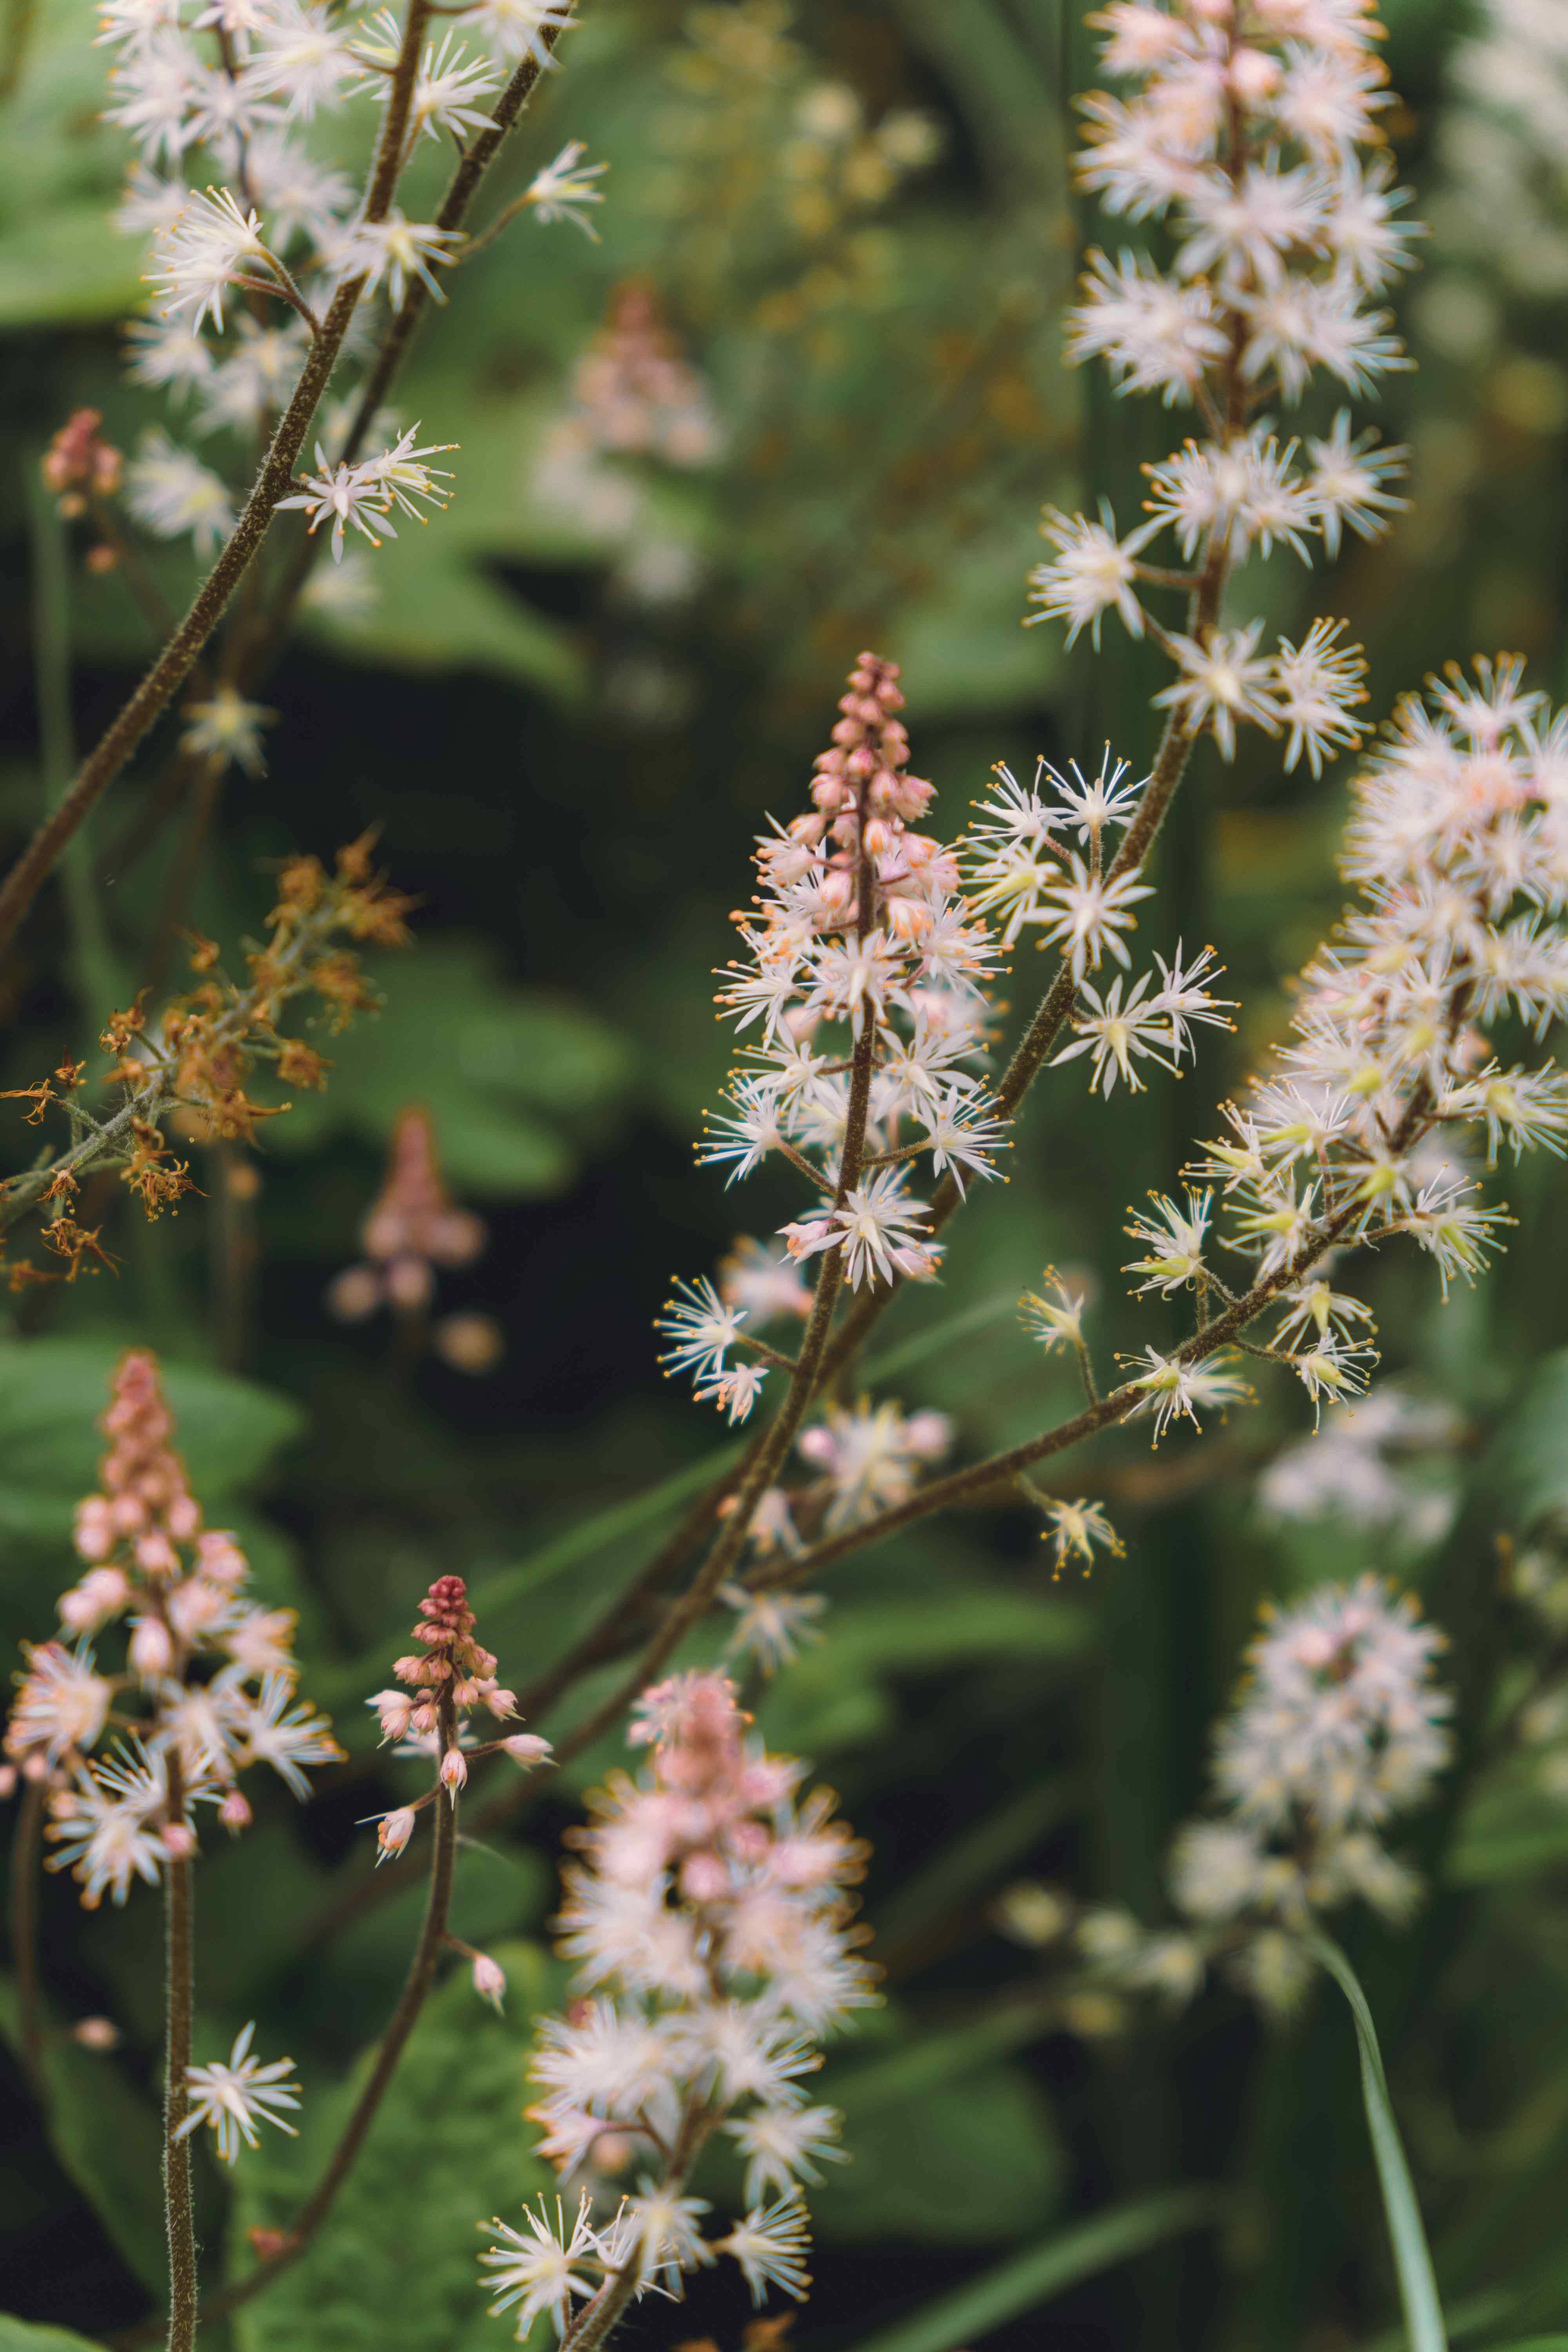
{"points": [[179, 1841], [235, 1812], [454, 1771], [96, 2033], [489, 1979], [151, 1650], [394, 1831], [526, 1748]]}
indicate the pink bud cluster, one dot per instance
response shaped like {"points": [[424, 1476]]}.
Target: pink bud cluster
{"points": [[863, 797], [711, 1922], [413, 1226], [446, 1678], [195, 1648]]}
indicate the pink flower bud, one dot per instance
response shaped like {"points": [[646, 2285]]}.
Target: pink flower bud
{"points": [[235, 1812], [526, 1748], [409, 1283], [489, 1979], [454, 1771], [393, 1833], [7, 1780], [353, 1294], [152, 1652], [96, 2033], [179, 1840]]}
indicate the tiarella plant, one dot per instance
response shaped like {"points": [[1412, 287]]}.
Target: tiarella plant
{"points": [[707, 1912]]}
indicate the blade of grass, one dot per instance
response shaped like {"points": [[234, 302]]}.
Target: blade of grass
{"points": [[1029, 2280], [1412, 2259]]}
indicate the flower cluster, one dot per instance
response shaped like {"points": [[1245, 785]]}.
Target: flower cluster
{"points": [[1356, 1130], [450, 1676], [634, 394], [253, 233], [1251, 129], [199, 1056], [710, 1923], [866, 983], [1339, 1725], [1043, 858], [208, 1684], [412, 1229], [1377, 1465]]}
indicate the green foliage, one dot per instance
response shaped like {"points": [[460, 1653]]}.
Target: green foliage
{"points": [[397, 2261], [108, 2141], [27, 2335], [1033, 2278], [52, 1396], [512, 1077]]}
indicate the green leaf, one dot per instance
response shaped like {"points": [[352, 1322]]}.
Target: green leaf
{"points": [[1525, 2344], [1031, 2279], [397, 2259], [1412, 2259], [52, 1395], [29, 2335], [499, 1069], [108, 2141], [1528, 1466], [968, 2160], [1510, 1828]]}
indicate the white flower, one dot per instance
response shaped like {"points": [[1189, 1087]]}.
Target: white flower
{"points": [[1173, 1238], [445, 90], [772, 1627], [877, 1222], [515, 28], [228, 729], [199, 255], [1094, 572], [1156, 334], [1317, 684], [1223, 682], [235, 2098], [1091, 912], [771, 2246], [1057, 1321], [171, 492], [782, 2144], [61, 1703], [286, 1735], [543, 2270], [301, 53], [396, 249], [1074, 1529], [563, 189], [702, 1328], [356, 494], [1175, 1389]]}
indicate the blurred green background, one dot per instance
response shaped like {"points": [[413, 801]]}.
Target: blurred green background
{"points": [[568, 705]]}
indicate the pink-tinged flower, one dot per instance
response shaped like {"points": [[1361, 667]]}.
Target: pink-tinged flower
{"points": [[489, 1980], [393, 1833]]}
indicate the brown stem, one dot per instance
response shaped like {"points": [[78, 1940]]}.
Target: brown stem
{"points": [[178, 1967], [472, 165], [26, 1846], [416, 1991], [597, 2319], [148, 700]]}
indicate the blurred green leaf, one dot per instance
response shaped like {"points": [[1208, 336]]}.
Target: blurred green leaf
{"points": [[1527, 1468], [397, 2261], [499, 1067], [27, 2335], [1509, 1827], [1412, 2259], [1031, 2279], [108, 2139], [967, 2161], [52, 1396]]}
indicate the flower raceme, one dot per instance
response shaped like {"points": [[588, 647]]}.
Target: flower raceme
{"points": [[709, 1918], [207, 1688], [1250, 128], [247, 260], [450, 1676]]}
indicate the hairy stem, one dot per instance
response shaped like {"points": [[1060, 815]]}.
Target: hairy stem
{"points": [[415, 1991], [103, 764], [179, 1972]]}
